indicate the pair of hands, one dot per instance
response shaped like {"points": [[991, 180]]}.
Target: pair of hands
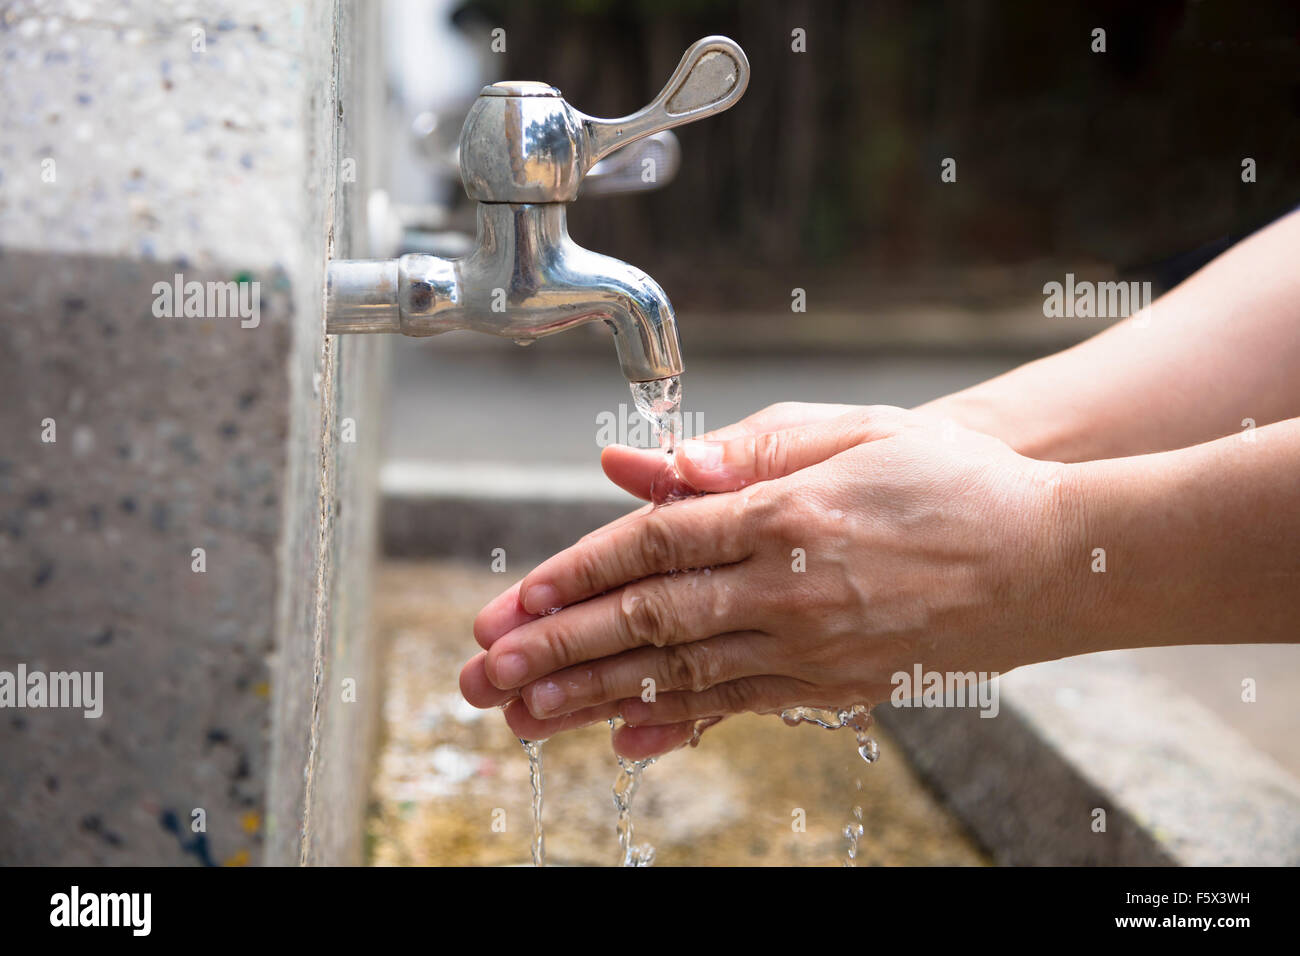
{"points": [[838, 546]]}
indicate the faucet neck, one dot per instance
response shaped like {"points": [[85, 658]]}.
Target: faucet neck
{"points": [[523, 233]]}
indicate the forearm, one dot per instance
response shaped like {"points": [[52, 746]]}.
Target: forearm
{"points": [[1222, 347], [1198, 546]]}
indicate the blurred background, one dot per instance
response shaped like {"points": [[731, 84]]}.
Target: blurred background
{"points": [[827, 171], [825, 177]]}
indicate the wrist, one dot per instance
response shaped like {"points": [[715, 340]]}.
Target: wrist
{"points": [[1009, 417], [1059, 558], [1111, 573]]}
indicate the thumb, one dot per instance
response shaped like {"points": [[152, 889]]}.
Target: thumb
{"points": [[717, 466], [640, 470]]}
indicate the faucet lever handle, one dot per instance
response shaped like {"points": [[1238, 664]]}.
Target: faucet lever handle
{"points": [[711, 77]]}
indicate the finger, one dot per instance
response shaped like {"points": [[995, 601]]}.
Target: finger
{"points": [[694, 666], [617, 522], [696, 533], [642, 743], [504, 612], [500, 615], [475, 686], [653, 612], [778, 417], [737, 462], [644, 473], [528, 727], [759, 695], [636, 470]]}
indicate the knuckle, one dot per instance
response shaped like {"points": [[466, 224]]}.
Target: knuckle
{"points": [[604, 686], [557, 648], [648, 617], [723, 609], [735, 696], [587, 571], [772, 455], [771, 511], [683, 668], [769, 455], [886, 415], [656, 545]]}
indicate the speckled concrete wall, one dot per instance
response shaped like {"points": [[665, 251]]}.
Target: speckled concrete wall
{"points": [[138, 141]]}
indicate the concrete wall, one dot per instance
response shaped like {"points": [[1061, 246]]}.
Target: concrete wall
{"points": [[138, 141]]}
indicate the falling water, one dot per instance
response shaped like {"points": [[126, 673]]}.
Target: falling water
{"points": [[534, 750], [659, 403], [857, 717], [625, 788]]}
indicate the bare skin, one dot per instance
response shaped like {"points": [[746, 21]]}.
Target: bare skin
{"points": [[961, 535]]}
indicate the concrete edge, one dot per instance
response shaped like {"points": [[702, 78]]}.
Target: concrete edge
{"points": [[1205, 792]]}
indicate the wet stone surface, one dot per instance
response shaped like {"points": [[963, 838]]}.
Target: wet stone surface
{"points": [[447, 770]]}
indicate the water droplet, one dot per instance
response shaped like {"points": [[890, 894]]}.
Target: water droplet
{"points": [[857, 717]]}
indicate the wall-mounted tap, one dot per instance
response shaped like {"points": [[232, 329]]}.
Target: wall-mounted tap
{"points": [[523, 154], [439, 230]]}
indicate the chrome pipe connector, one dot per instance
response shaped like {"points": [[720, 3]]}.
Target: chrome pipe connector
{"points": [[361, 296]]}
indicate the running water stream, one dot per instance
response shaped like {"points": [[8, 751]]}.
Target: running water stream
{"points": [[625, 788], [534, 750], [659, 403], [858, 718]]}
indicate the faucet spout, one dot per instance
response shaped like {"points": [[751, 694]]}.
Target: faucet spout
{"points": [[525, 278]]}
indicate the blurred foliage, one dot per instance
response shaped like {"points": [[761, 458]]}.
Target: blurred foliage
{"points": [[830, 164]]}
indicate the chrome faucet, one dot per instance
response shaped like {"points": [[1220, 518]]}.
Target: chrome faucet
{"points": [[523, 154]]}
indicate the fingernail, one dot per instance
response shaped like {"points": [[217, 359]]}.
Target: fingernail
{"points": [[511, 670], [634, 711], [547, 698], [706, 456], [541, 598]]}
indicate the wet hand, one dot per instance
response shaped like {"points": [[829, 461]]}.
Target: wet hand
{"points": [[835, 553]]}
